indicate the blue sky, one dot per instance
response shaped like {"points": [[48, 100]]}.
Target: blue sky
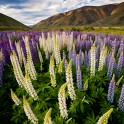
{"points": [[30, 12]]}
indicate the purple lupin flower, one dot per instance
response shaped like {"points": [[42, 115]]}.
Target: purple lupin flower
{"points": [[79, 77], [120, 64], [121, 99], [81, 57], [73, 57], [111, 90], [110, 66], [77, 61], [86, 58], [1, 67]]}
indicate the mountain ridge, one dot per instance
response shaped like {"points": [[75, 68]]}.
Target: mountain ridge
{"points": [[7, 22], [87, 15]]}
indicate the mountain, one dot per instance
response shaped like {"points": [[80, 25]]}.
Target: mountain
{"points": [[106, 15], [8, 23]]}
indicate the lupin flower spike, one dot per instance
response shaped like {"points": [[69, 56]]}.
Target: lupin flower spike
{"points": [[29, 113], [104, 118], [15, 98], [121, 99], [93, 60], [62, 101], [69, 80], [111, 90], [47, 118]]}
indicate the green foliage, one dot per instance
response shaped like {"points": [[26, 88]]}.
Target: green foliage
{"points": [[89, 105]]}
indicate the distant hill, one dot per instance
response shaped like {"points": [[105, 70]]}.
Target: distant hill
{"points": [[8, 23], [106, 15]]}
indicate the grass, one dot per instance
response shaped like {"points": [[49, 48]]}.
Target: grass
{"points": [[107, 30]]}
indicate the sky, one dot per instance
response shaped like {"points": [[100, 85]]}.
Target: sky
{"points": [[30, 12]]}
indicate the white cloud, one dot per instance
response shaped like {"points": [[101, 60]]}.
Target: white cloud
{"points": [[34, 11]]}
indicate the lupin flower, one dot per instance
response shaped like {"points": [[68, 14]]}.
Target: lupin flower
{"points": [[17, 69], [111, 90], [121, 99], [79, 77], [102, 58], [15, 98], [53, 80], [65, 64], [69, 80], [104, 118], [85, 86], [52, 72], [73, 55], [120, 64], [1, 66], [29, 87], [60, 66], [111, 66], [93, 60], [47, 119], [57, 52], [31, 68], [62, 101], [81, 57], [29, 113], [77, 61], [39, 54]]}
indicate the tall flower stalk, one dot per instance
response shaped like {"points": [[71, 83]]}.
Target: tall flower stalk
{"points": [[29, 87], [29, 113], [104, 118], [79, 77], [62, 101], [15, 98], [121, 99], [111, 90], [111, 66], [52, 71], [93, 60], [17, 69], [102, 58], [31, 68], [47, 118], [69, 80], [57, 52]]}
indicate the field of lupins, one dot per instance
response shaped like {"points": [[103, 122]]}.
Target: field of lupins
{"points": [[61, 78]]}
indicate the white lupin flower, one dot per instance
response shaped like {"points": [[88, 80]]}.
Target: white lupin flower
{"points": [[40, 56], [52, 72], [60, 66], [23, 58], [17, 69], [57, 52], [93, 60], [15, 98], [69, 80], [102, 58], [29, 87], [104, 118], [51, 65], [47, 118], [29, 113], [31, 68], [62, 101], [53, 80]]}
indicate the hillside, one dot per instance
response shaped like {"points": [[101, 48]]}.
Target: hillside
{"points": [[106, 15], [8, 23]]}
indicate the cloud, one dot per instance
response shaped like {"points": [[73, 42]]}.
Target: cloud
{"points": [[30, 12]]}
